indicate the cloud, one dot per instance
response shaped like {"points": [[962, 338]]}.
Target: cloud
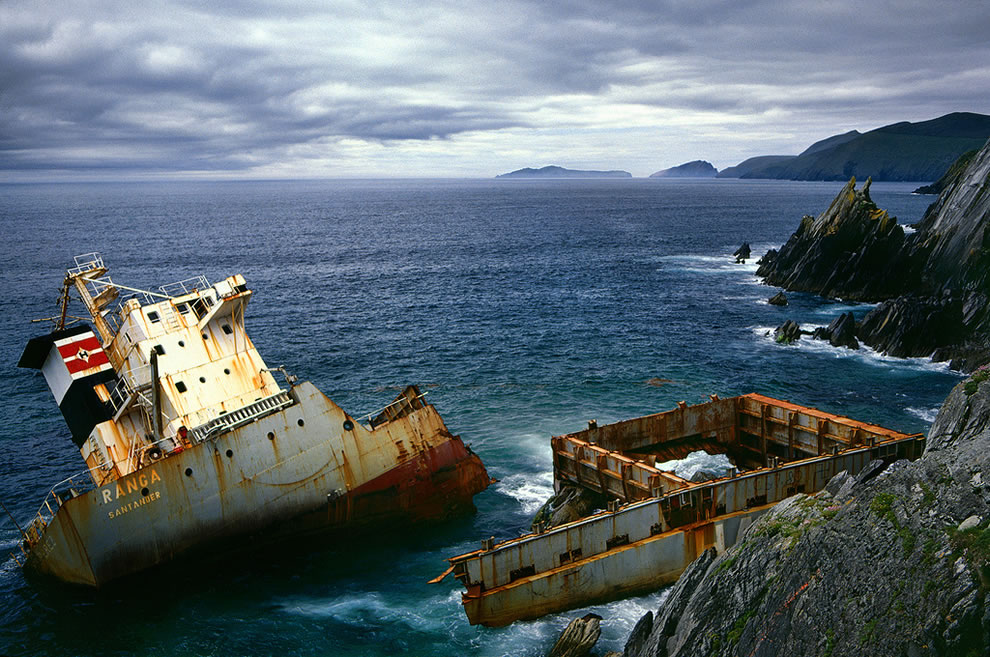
{"points": [[305, 87]]}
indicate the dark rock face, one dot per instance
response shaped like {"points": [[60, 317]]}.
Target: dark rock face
{"points": [[570, 504], [891, 562], [934, 283], [779, 299], [840, 333], [849, 251], [578, 638], [787, 332], [743, 252]]}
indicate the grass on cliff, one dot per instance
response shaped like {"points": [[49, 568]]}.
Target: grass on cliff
{"points": [[971, 386], [974, 545]]}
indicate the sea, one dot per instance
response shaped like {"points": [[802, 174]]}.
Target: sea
{"points": [[523, 308]]}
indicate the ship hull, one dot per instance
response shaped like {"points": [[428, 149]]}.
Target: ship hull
{"points": [[306, 468]]}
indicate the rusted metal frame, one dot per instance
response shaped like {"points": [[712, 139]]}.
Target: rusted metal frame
{"points": [[815, 413]]}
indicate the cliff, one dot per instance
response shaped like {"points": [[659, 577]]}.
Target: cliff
{"points": [[891, 562], [933, 283], [900, 151], [695, 169]]}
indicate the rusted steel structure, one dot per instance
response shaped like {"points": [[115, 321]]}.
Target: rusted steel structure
{"points": [[657, 522], [189, 440]]}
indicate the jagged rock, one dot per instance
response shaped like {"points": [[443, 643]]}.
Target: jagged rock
{"points": [[705, 475], [932, 284], [570, 504], [743, 252], [891, 563], [840, 333], [768, 258], [578, 638], [778, 299], [787, 332]]}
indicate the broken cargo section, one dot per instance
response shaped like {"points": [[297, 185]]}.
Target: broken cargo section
{"points": [[657, 523]]}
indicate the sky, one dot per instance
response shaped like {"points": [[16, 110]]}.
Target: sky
{"points": [[120, 89]]}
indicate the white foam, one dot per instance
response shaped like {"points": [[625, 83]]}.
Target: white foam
{"points": [[926, 414], [529, 490], [864, 354], [908, 229], [687, 466]]}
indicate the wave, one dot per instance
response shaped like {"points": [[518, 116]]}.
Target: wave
{"points": [[926, 414], [864, 354], [529, 490], [687, 466]]}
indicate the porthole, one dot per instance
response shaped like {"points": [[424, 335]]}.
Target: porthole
{"points": [[145, 491], [188, 472], [202, 379], [271, 435], [226, 371], [206, 337], [348, 425], [229, 453], [181, 343], [300, 422]]}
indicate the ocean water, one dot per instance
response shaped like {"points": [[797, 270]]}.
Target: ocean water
{"points": [[524, 308]]}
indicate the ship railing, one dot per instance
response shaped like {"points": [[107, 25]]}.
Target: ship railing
{"points": [[86, 262], [240, 417], [81, 483], [186, 286], [402, 400], [129, 384]]}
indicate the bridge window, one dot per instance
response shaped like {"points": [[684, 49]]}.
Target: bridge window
{"points": [[227, 329], [160, 350], [180, 386], [154, 317]]}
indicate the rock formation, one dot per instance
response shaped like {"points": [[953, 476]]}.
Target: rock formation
{"points": [[578, 638], [893, 561], [779, 299], [570, 504], [840, 333], [934, 284]]}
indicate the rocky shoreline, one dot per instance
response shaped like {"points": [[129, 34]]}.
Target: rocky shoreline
{"points": [[932, 284], [893, 561]]}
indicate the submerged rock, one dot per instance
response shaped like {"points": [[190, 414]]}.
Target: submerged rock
{"points": [[891, 562], [778, 299], [787, 332], [840, 333], [578, 638]]}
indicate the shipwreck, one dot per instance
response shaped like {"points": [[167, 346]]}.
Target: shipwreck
{"points": [[657, 523], [189, 440]]}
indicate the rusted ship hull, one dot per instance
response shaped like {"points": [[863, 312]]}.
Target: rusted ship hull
{"points": [[657, 523], [296, 470]]}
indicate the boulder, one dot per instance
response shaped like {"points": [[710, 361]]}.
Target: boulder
{"points": [[840, 333], [570, 504], [787, 332], [743, 252], [578, 638], [778, 299]]}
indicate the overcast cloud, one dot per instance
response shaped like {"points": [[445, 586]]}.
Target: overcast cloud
{"points": [[315, 89]]}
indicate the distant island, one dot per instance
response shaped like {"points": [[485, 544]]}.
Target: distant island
{"points": [[695, 169], [561, 172], [898, 152]]}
